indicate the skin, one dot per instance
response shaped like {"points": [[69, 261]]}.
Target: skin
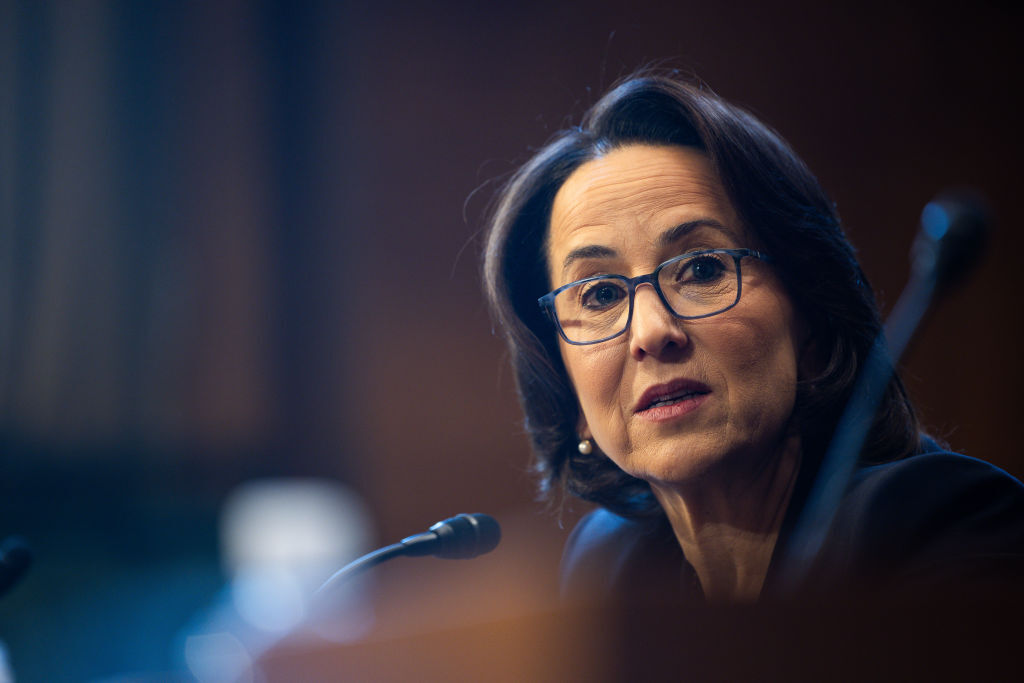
{"points": [[723, 467]]}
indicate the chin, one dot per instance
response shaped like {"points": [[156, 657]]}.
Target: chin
{"points": [[680, 465]]}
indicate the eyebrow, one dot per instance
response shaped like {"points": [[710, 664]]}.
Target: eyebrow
{"points": [[665, 239], [673, 235]]}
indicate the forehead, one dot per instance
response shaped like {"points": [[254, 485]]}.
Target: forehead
{"points": [[632, 195]]}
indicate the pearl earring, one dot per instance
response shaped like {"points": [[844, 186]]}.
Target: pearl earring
{"points": [[585, 447]]}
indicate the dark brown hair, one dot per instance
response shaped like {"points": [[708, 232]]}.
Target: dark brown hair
{"points": [[780, 203]]}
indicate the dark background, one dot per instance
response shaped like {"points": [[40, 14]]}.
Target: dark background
{"points": [[241, 240]]}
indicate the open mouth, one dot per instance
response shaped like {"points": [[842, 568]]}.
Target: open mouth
{"points": [[670, 394], [674, 398]]}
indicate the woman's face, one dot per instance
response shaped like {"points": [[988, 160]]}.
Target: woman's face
{"points": [[673, 400]]}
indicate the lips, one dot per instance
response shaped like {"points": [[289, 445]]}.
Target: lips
{"points": [[670, 393]]}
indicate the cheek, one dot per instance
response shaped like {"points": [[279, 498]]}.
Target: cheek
{"points": [[760, 361], [764, 355], [596, 375]]}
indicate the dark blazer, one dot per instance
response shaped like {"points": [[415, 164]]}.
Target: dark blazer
{"points": [[929, 520]]}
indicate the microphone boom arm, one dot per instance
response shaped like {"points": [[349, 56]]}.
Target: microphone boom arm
{"points": [[463, 536]]}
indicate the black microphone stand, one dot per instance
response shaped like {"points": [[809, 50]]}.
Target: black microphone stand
{"points": [[953, 231]]}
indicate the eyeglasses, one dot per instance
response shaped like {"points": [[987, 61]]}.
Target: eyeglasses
{"points": [[695, 285]]}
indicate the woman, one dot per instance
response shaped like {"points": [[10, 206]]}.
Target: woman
{"points": [[686, 320]]}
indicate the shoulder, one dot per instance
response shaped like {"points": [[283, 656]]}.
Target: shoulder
{"points": [[949, 485], [936, 515], [605, 552], [596, 550]]}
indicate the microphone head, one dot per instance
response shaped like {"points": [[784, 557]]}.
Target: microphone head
{"points": [[954, 229], [466, 535]]}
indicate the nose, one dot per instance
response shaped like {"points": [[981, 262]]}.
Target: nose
{"points": [[654, 331]]}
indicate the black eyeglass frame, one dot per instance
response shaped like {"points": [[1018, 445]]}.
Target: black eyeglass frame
{"points": [[547, 302]]}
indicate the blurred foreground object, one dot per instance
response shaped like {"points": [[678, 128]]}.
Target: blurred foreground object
{"points": [[894, 639], [280, 540], [954, 228], [6, 676]]}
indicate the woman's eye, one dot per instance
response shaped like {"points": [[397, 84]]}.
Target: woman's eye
{"points": [[701, 269], [602, 294]]}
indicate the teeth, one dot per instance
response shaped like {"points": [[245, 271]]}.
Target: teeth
{"points": [[668, 400]]}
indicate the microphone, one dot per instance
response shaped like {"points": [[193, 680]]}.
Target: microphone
{"points": [[954, 228], [461, 537], [15, 558]]}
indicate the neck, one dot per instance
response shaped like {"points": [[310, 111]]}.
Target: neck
{"points": [[727, 525]]}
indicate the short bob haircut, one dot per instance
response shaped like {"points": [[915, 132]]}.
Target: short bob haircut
{"points": [[780, 204]]}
